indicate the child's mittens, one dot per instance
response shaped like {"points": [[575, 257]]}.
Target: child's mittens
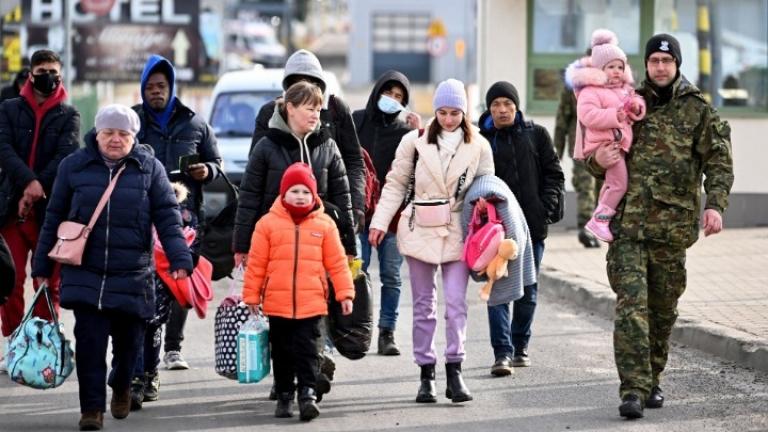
{"points": [[621, 115]]}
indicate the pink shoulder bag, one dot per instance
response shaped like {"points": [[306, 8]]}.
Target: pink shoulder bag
{"points": [[72, 236]]}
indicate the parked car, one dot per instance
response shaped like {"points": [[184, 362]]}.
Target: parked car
{"points": [[253, 42]]}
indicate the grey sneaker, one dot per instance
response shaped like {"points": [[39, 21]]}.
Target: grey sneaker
{"points": [[174, 361], [521, 358], [3, 365]]}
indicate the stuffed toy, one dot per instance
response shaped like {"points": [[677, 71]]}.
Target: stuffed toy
{"points": [[497, 268]]}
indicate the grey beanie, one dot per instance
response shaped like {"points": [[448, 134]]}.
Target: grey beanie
{"points": [[118, 116], [304, 63]]}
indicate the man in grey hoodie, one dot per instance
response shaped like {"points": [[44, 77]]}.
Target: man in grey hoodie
{"points": [[335, 118]]}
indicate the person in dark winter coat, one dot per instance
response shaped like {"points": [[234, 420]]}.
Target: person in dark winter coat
{"points": [[37, 130], [525, 159], [335, 120], [282, 146], [13, 90], [111, 292], [173, 130], [380, 130]]}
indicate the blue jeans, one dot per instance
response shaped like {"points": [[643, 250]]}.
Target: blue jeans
{"points": [[390, 261], [510, 337]]}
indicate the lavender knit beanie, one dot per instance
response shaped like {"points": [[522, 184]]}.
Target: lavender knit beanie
{"points": [[450, 94]]}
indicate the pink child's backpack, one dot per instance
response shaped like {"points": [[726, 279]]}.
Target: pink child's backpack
{"points": [[483, 240]]}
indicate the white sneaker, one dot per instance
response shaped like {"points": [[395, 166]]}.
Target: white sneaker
{"points": [[174, 361]]}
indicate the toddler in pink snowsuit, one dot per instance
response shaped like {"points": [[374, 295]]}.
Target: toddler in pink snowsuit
{"points": [[606, 108]]}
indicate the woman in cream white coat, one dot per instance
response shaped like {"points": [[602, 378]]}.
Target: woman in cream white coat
{"points": [[444, 160]]}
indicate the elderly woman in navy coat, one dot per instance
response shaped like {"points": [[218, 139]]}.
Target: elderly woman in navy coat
{"points": [[111, 293]]}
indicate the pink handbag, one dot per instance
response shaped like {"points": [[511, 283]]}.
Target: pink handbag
{"points": [[72, 236], [432, 213], [483, 240]]}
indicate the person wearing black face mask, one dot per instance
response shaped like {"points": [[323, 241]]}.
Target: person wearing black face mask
{"points": [[37, 130], [46, 82]]}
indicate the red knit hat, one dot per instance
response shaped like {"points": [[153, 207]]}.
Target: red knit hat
{"points": [[298, 173]]}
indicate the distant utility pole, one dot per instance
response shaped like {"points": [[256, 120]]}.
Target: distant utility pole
{"points": [[68, 69]]}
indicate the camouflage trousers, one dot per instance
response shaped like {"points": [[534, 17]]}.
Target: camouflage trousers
{"points": [[586, 192], [648, 280]]}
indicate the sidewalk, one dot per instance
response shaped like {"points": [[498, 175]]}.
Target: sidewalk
{"points": [[724, 310]]}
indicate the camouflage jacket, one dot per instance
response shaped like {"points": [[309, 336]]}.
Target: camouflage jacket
{"points": [[565, 123], [676, 146]]}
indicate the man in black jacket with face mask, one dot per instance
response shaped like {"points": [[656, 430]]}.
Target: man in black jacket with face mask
{"points": [[380, 130], [37, 130]]}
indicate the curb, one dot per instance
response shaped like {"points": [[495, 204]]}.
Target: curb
{"points": [[730, 344]]}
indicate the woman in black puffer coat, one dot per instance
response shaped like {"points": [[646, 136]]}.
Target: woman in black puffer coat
{"points": [[112, 292], [284, 144]]}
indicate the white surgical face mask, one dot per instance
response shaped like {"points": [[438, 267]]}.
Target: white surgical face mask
{"points": [[388, 105]]}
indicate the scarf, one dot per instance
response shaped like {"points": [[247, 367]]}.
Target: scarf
{"points": [[57, 97]]}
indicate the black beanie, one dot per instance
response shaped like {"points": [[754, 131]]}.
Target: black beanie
{"points": [[665, 43], [502, 89]]}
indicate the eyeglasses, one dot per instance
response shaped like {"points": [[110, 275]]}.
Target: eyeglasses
{"points": [[666, 61]]}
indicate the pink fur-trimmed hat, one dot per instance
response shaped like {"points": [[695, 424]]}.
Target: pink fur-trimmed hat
{"points": [[605, 48]]}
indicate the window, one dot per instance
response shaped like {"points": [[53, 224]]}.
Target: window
{"points": [[736, 44], [737, 40], [561, 32], [234, 114]]}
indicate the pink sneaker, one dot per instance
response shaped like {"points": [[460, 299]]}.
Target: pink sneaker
{"points": [[599, 224]]}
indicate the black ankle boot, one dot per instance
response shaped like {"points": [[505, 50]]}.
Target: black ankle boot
{"points": [[427, 392], [387, 345], [307, 404], [284, 405], [456, 390]]}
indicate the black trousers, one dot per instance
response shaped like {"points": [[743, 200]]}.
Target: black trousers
{"points": [[174, 329], [93, 329], [294, 352]]}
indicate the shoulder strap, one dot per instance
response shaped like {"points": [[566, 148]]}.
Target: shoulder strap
{"points": [[492, 215], [104, 198]]}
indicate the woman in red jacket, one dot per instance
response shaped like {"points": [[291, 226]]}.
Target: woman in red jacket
{"points": [[292, 249]]}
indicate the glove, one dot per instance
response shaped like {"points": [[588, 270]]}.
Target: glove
{"points": [[359, 220]]}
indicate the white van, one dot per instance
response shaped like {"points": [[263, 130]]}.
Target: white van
{"points": [[237, 98]]}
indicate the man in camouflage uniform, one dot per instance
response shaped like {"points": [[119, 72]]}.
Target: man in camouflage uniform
{"points": [[582, 181], [680, 140]]}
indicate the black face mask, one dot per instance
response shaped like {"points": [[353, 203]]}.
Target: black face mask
{"points": [[46, 83]]}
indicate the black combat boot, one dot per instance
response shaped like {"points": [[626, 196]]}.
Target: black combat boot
{"points": [[631, 407], [655, 399], [456, 390], [387, 345], [284, 405], [427, 392], [307, 404]]}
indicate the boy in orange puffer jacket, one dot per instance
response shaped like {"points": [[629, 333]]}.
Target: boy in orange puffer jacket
{"points": [[293, 247]]}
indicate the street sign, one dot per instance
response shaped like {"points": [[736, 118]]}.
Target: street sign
{"points": [[436, 46], [436, 29]]}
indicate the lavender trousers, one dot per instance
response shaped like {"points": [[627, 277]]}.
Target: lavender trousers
{"points": [[424, 290]]}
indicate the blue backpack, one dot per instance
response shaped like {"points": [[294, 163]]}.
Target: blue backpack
{"points": [[38, 354]]}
